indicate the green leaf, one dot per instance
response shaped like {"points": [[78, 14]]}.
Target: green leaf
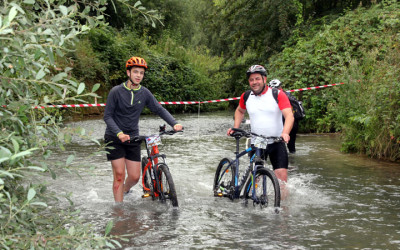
{"points": [[29, 1], [71, 230], [137, 4], [40, 74], [6, 173], [53, 174], [4, 159], [4, 152], [70, 159], [96, 141], [36, 168], [16, 145], [116, 243], [85, 28], [59, 77], [95, 87], [21, 154], [50, 54], [12, 14], [64, 10], [39, 204], [109, 227], [31, 194], [81, 88]]}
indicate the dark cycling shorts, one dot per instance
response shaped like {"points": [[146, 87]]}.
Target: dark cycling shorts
{"points": [[127, 150], [277, 154]]}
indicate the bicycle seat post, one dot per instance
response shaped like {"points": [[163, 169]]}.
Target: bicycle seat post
{"points": [[237, 145]]}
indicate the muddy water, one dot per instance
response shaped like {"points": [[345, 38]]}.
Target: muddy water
{"points": [[336, 200]]}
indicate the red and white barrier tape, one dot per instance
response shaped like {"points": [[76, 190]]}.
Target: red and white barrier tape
{"points": [[316, 87], [176, 102]]}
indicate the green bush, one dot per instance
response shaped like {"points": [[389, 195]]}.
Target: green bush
{"points": [[34, 37], [175, 73], [360, 49]]}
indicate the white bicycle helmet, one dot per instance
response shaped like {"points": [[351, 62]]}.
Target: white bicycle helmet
{"points": [[256, 69], [275, 83]]}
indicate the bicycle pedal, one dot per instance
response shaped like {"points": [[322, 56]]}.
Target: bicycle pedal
{"points": [[145, 195]]}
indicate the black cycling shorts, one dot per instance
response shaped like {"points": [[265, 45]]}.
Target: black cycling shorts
{"points": [[277, 154], [116, 149]]}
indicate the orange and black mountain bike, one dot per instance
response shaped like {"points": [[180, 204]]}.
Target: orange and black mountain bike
{"points": [[156, 177]]}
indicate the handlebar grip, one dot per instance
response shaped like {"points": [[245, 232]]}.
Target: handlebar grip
{"points": [[237, 132]]}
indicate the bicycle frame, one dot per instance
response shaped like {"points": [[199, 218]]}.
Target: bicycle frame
{"points": [[153, 156], [239, 185], [254, 167]]}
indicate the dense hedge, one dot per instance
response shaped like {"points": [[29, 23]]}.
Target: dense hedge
{"points": [[361, 49], [175, 73]]}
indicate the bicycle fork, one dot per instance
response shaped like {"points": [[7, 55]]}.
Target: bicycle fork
{"points": [[262, 199]]}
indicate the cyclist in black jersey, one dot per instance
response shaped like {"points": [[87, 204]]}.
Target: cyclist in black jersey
{"points": [[125, 103]]}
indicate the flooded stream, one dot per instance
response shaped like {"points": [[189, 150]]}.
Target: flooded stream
{"points": [[336, 200]]}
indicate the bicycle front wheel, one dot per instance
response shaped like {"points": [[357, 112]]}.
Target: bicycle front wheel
{"points": [[266, 190], [224, 180], [167, 185]]}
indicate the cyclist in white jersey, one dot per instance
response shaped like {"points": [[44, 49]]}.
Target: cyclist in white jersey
{"points": [[266, 118]]}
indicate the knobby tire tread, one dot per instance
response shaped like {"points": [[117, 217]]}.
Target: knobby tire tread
{"points": [[221, 166], [163, 169], [271, 176]]}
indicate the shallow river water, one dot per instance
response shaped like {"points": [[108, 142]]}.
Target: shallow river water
{"points": [[336, 200]]}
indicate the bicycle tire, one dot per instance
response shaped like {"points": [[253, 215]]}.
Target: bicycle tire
{"points": [[273, 193], [224, 179], [167, 184], [147, 185]]}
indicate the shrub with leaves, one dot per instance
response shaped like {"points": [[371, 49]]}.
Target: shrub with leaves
{"points": [[33, 33], [360, 49]]}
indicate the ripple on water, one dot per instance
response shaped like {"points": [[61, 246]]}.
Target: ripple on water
{"points": [[335, 200]]}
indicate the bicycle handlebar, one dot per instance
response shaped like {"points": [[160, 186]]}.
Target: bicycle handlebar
{"points": [[143, 137], [239, 133]]}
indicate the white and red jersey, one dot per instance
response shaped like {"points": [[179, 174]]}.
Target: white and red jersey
{"points": [[265, 113]]}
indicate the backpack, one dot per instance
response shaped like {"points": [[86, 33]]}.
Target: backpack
{"points": [[297, 106]]}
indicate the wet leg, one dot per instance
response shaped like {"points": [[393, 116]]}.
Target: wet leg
{"points": [[281, 174], [118, 167], [133, 169]]}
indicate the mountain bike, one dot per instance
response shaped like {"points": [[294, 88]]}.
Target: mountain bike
{"points": [[258, 182], [156, 178]]}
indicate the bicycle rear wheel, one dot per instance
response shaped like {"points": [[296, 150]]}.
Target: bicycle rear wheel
{"points": [[224, 179], [267, 190], [167, 185]]}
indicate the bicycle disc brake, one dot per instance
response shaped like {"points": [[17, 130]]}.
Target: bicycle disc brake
{"points": [[263, 201], [231, 192]]}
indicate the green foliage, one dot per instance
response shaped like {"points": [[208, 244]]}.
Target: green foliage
{"points": [[175, 73], [360, 49], [35, 36]]}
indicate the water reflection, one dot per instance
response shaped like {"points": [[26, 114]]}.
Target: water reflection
{"points": [[336, 200]]}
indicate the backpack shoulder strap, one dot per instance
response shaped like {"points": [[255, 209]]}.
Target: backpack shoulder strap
{"points": [[275, 93], [246, 95]]}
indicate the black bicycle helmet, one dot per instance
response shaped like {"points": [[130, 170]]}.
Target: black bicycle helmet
{"points": [[256, 69]]}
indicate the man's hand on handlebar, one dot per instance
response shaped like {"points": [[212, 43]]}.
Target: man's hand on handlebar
{"points": [[178, 127], [229, 132], [285, 137]]}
